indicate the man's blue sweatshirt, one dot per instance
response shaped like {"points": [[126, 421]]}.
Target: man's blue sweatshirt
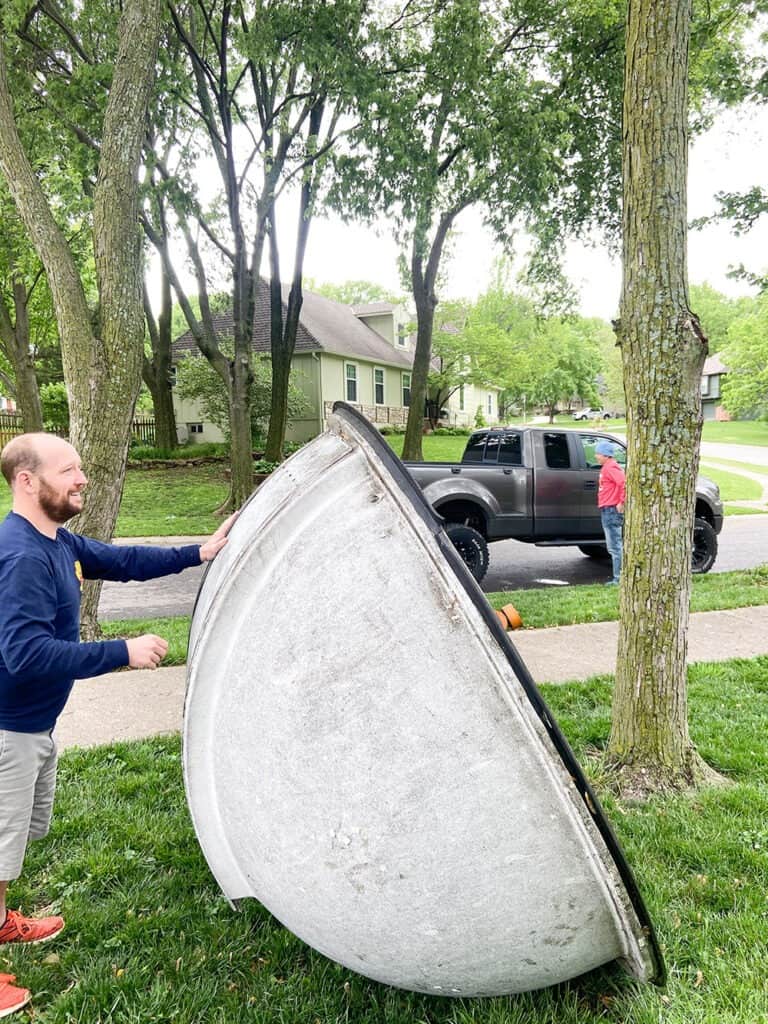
{"points": [[40, 583]]}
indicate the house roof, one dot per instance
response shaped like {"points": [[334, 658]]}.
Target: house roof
{"points": [[324, 326], [713, 364], [372, 308]]}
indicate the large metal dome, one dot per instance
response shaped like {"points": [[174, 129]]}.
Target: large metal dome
{"points": [[365, 753]]}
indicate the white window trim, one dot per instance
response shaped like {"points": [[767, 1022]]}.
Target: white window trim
{"points": [[347, 379], [403, 375], [383, 372]]}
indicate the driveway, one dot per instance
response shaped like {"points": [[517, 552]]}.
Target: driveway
{"points": [[755, 454]]}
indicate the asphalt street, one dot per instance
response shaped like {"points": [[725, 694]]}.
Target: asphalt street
{"points": [[743, 545]]}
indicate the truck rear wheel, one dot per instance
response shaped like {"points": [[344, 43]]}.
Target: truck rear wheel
{"points": [[471, 546], [704, 546]]}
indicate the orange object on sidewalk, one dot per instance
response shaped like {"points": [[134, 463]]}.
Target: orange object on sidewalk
{"points": [[11, 997], [509, 617]]}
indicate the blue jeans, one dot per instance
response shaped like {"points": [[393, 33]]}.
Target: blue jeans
{"points": [[613, 528]]}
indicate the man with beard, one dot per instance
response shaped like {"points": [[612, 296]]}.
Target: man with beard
{"points": [[42, 567]]}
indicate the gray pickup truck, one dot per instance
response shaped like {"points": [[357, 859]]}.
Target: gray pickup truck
{"points": [[539, 485]]}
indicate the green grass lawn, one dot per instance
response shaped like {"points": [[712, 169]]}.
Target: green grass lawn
{"points": [[736, 432], [173, 629], [149, 939], [734, 487], [172, 501], [434, 447], [565, 606]]}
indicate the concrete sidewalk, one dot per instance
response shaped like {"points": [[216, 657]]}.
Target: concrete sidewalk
{"points": [[131, 705]]}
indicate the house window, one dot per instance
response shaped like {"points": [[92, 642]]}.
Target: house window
{"points": [[172, 376], [705, 384], [195, 428], [490, 404], [406, 379], [401, 336], [350, 374], [378, 385], [461, 398]]}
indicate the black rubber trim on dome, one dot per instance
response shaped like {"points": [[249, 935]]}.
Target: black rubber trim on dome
{"points": [[421, 506]]}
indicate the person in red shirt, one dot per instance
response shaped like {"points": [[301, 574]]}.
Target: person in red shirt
{"points": [[611, 492]]}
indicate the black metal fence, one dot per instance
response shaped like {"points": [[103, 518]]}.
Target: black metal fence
{"points": [[142, 428]]}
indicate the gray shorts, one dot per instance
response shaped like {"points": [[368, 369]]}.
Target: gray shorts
{"points": [[27, 787]]}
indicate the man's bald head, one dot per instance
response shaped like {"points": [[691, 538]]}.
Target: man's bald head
{"points": [[30, 452]]}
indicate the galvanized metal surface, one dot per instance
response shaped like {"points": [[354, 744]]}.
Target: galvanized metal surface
{"points": [[364, 755]]}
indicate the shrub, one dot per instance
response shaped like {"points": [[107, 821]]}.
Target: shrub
{"points": [[197, 381], [144, 452], [53, 398]]}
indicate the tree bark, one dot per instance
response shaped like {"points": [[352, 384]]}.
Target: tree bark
{"points": [[663, 351], [425, 263], [157, 370], [283, 338]]}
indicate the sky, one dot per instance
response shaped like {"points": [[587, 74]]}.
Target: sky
{"points": [[732, 156]]}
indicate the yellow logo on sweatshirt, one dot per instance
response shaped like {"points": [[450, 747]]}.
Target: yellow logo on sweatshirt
{"points": [[79, 573]]}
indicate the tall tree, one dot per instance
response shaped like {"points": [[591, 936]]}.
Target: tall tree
{"points": [[156, 365], [268, 83], [745, 386], [563, 364], [476, 103], [102, 363], [663, 351]]}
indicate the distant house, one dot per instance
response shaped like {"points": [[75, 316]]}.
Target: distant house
{"points": [[711, 379], [358, 354]]}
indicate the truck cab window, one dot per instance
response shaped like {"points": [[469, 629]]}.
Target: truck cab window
{"points": [[511, 451], [475, 448], [556, 451]]}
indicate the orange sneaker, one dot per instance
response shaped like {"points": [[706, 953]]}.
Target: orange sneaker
{"points": [[29, 929], [12, 998]]}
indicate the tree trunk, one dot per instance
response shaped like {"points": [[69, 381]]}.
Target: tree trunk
{"points": [[157, 371], [663, 351], [241, 458], [425, 263], [28, 394], [414, 428], [281, 357], [15, 341], [162, 403], [283, 338]]}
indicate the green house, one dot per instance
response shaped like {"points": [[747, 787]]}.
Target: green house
{"points": [[358, 354]]}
